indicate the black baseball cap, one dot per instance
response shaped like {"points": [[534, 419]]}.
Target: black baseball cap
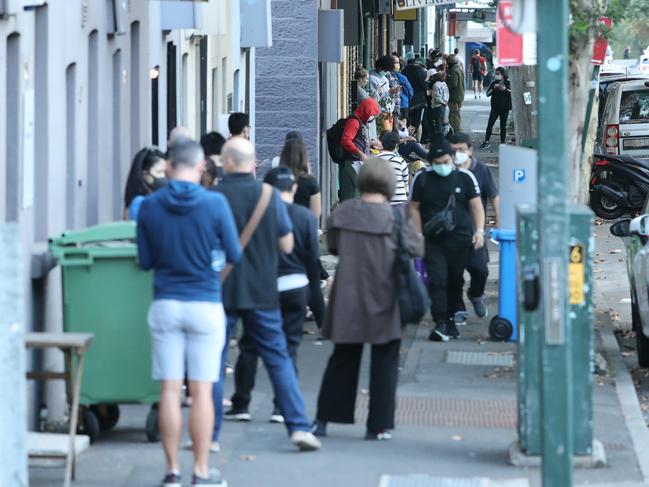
{"points": [[439, 147], [281, 177]]}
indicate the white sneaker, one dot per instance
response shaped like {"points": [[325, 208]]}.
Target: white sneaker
{"points": [[215, 447], [305, 441], [276, 418]]}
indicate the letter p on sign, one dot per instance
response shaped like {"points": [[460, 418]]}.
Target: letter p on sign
{"points": [[519, 175]]}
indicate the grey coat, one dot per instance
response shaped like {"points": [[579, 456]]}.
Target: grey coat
{"points": [[364, 307]]}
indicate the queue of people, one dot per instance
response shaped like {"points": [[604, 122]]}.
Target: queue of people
{"points": [[228, 248]]}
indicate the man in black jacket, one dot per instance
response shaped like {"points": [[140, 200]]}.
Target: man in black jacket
{"points": [[298, 278], [416, 75]]}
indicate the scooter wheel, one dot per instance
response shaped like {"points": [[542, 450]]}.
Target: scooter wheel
{"points": [[604, 207], [500, 329]]}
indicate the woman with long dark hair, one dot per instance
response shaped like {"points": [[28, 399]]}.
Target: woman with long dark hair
{"points": [[501, 103], [146, 175], [294, 156]]}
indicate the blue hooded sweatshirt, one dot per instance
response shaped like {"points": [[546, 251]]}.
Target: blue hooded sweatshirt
{"points": [[186, 234]]}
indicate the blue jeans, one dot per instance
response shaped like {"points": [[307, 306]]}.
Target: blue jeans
{"points": [[264, 327]]}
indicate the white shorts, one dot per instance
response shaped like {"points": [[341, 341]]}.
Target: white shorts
{"points": [[186, 336]]}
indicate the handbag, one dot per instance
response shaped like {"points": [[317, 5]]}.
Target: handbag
{"points": [[251, 226], [413, 297], [443, 222]]}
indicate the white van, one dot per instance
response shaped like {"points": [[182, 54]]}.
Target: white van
{"points": [[624, 124]]}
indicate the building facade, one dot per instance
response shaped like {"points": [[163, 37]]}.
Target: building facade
{"points": [[85, 84]]}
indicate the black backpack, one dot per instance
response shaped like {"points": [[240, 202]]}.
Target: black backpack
{"points": [[334, 134]]}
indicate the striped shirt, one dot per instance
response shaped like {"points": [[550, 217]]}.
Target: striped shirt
{"points": [[400, 167]]}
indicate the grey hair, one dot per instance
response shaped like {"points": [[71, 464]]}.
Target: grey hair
{"points": [[185, 152]]}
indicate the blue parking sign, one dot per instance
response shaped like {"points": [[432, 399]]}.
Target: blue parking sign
{"points": [[519, 175]]}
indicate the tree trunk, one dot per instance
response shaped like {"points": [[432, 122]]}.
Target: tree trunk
{"points": [[579, 89], [523, 82]]}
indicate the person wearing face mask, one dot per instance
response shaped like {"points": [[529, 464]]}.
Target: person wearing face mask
{"points": [[501, 103], [355, 140], [478, 264], [147, 174], [446, 207], [362, 77]]}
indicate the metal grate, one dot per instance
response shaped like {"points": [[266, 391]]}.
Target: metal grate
{"points": [[495, 359], [448, 412]]}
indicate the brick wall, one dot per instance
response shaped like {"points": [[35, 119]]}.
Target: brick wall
{"points": [[287, 80]]}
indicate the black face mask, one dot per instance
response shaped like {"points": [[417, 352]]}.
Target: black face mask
{"points": [[219, 173], [158, 183]]}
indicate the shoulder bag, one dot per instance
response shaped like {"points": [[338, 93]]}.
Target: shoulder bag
{"points": [[251, 226], [443, 222], [413, 297]]}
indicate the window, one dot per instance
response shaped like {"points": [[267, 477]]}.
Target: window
{"points": [[184, 89], [41, 145], [224, 83], [12, 144], [202, 85], [237, 105], [117, 135], [172, 92], [70, 153], [135, 87], [155, 129], [92, 168], [215, 98], [634, 106]]}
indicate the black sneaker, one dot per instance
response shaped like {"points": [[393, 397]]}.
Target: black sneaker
{"points": [[319, 428], [479, 306], [439, 334], [172, 479], [485, 144], [451, 329], [237, 415], [214, 479]]}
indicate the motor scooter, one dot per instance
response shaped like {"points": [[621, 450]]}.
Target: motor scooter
{"points": [[618, 185]]}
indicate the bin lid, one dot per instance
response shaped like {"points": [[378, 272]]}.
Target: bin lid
{"points": [[115, 239]]}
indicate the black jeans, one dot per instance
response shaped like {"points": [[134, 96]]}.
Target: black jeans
{"points": [[436, 120], [478, 268], [293, 307], [337, 398], [408, 148], [445, 265], [493, 115]]}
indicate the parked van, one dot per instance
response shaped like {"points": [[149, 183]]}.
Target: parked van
{"points": [[624, 124]]}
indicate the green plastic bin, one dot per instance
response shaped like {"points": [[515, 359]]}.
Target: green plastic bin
{"points": [[106, 293]]}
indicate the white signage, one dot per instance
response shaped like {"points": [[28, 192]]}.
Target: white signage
{"points": [[410, 4]]}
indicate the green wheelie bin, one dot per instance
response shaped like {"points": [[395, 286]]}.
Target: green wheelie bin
{"points": [[106, 293]]}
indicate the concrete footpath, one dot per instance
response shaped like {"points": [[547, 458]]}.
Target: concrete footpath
{"points": [[456, 417]]}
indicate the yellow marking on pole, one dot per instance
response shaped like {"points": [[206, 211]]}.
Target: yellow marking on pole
{"points": [[576, 275]]}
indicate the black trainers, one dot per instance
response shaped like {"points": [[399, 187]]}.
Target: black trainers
{"points": [[439, 334], [214, 479], [451, 329], [479, 306], [237, 415], [485, 144], [172, 479]]}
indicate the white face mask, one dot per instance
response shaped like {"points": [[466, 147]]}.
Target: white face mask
{"points": [[460, 158], [498, 77]]}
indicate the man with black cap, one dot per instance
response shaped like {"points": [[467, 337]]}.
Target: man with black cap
{"points": [[446, 205], [298, 278]]}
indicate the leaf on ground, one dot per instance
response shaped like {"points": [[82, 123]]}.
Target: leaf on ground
{"points": [[457, 438], [615, 251], [247, 458]]}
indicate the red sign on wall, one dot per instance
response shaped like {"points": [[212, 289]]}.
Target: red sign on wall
{"points": [[509, 44], [601, 43]]}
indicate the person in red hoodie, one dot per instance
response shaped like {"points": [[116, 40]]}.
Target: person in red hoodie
{"points": [[356, 143]]}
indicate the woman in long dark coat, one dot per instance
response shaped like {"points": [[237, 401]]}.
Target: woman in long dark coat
{"points": [[364, 303]]}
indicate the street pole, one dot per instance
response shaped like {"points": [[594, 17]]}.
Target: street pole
{"points": [[13, 419], [553, 221]]}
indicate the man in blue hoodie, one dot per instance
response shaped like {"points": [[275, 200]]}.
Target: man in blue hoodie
{"points": [[186, 235]]}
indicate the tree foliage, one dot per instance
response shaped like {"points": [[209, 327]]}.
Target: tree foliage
{"points": [[631, 26]]}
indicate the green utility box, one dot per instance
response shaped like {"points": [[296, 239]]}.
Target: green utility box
{"points": [[107, 294], [580, 332]]}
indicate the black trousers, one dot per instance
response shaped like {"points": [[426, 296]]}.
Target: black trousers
{"points": [[478, 268], [436, 120], [493, 115], [337, 398], [415, 116], [293, 307], [445, 265]]}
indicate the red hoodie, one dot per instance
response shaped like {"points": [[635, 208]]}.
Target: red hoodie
{"points": [[366, 109]]}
